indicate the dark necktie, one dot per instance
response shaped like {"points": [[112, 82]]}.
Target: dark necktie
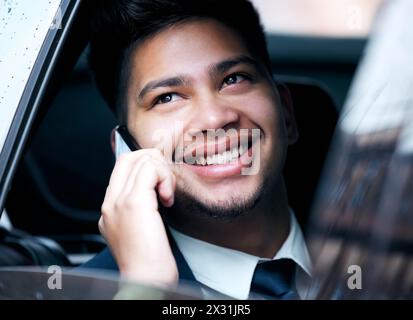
{"points": [[274, 280]]}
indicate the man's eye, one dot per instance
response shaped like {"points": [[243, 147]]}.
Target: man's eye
{"points": [[233, 79], [166, 98]]}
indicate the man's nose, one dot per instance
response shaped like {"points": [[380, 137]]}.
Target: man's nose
{"points": [[214, 113]]}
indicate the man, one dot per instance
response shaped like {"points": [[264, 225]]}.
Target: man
{"points": [[200, 66]]}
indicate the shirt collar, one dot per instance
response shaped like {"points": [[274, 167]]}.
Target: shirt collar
{"points": [[230, 271]]}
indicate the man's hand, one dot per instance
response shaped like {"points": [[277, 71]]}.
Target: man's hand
{"points": [[130, 221]]}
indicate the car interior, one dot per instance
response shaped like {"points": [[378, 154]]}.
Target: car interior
{"points": [[54, 201]]}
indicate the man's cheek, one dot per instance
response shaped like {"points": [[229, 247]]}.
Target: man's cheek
{"points": [[158, 138]]}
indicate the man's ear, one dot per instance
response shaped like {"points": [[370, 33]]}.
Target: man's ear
{"points": [[113, 140], [288, 111]]}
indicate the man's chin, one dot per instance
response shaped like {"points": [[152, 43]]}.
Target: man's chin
{"points": [[228, 208]]}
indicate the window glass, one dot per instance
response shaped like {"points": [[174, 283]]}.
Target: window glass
{"points": [[23, 28], [343, 18]]}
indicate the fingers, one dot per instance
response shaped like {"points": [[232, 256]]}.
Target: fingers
{"points": [[154, 175], [130, 220], [126, 167]]}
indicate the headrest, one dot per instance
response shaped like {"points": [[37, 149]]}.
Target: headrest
{"points": [[316, 115]]}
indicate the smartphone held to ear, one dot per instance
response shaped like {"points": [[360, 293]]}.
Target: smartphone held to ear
{"points": [[123, 141]]}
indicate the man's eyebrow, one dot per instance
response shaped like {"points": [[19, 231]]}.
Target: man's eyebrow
{"points": [[168, 82], [223, 66], [216, 69]]}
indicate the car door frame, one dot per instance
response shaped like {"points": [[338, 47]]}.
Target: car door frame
{"points": [[57, 54]]}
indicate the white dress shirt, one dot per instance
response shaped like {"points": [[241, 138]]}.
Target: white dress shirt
{"points": [[230, 271]]}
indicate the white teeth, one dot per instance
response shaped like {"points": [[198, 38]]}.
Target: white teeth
{"points": [[228, 156], [221, 158], [234, 153], [215, 159], [201, 161], [242, 149], [225, 157]]}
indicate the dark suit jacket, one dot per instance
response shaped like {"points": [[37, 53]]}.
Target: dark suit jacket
{"points": [[105, 261]]}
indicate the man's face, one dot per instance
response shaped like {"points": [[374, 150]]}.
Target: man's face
{"points": [[196, 77]]}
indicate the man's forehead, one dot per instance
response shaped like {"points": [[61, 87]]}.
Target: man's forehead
{"points": [[192, 46]]}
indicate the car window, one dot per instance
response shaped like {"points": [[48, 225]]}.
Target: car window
{"points": [[61, 180], [22, 32], [362, 218], [346, 18]]}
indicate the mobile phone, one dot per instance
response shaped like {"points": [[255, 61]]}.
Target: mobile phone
{"points": [[124, 141]]}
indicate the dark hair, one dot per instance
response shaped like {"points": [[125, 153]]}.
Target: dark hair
{"points": [[120, 24]]}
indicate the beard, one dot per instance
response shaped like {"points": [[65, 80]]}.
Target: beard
{"points": [[187, 204]]}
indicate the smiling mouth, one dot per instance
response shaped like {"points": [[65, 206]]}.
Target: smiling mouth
{"points": [[227, 156], [227, 151]]}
